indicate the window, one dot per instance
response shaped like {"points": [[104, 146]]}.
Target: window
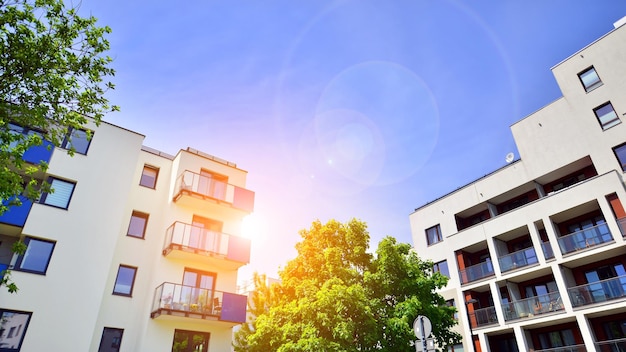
{"points": [[190, 341], [60, 195], [442, 267], [606, 116], [620, 153], [138, 223], [590, 79], [433, 235], [149, 176], [37, 256], [125, 280], [77, 140], [111, 340], [13, 325], [450, 303]]}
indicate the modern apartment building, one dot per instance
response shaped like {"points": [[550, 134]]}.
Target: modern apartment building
{"points": [[536, 251], [135, 250]]}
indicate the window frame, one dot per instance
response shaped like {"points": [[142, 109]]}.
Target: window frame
{"points": [[45, 195], [608, 124], [622, 149], [132, 284], [439, 235], [142, 215], [593, 85], [111, 348], [21, 330], [156, 176], [67, 140], [437, 268], [20, 258]]}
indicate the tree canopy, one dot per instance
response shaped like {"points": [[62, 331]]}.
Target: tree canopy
{"points": [[335, 296]]}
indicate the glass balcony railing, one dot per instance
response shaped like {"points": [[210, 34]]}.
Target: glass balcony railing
{"points": [[187, 237], [571, 348], [530, 307], [195, 302], [622, 226], [584, 239], [476, 272], [617, 345], [518, 259], [483, 317], [17, 215], [596, 292], [201, 186], [547, 250]]}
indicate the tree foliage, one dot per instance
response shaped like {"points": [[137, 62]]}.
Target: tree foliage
{"points": [[335, 296], [53, 78]]}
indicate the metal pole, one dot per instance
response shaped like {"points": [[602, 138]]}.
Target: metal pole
{"points": [[423, 333]]}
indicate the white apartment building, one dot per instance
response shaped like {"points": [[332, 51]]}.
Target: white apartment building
{"points": [[135, 250], [536, 251]]}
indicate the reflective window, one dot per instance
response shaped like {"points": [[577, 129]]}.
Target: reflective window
{"points": [[149, 176], [138, 223], [606, 116], [77, 141], [433, 235], [590, 79], [125, 280], [442, 267], [111, 340], [620, 153], [36, 257], [190, 341], [60, 194], [13, 325]]}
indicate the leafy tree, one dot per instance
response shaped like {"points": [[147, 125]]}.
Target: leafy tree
{"points": [[335, 296], [53, 77]]}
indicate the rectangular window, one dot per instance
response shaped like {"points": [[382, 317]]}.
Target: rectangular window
{"points": [[433, 235], [442, 267], [37, 256], [138, 223], [590, 79], [111, 340], [185, 340], [60, 195], [606, 115], [451, 303], [125, 280], [149, 176], [620, 154], [13, 325], [77, 140]]}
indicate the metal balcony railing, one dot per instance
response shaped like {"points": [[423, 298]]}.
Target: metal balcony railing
{"points": [[476, 272], [530, 307], [622, 226], [584, 239], [483, 317], [595, 292], [202, 241], [571, 348], [195, 184], [547, 250], [518, 259], [196, 302], [617, 345]]}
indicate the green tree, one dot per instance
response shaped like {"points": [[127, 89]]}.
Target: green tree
{"points": [[335, 296], [53, 78]]}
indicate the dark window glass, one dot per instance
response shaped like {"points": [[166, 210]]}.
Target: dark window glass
{"points": [[590, 79], [149, 176], [606, 116], [138, 223], [442, 267], [190, 341], [125, 280], [620, 153], [36, 257], [111, 340], [433, 235]]}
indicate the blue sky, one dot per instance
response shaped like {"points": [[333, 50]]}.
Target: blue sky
{"points": [[341, 109]]}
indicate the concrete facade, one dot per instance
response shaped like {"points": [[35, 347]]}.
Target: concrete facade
{"points": [[535, 250], [144, 256]]}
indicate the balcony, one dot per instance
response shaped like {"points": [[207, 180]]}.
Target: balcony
{"points": [[597, 292], [182, 302], [192, 242], [519, 259], [483, 317], [16, 215], [530, 307], [476, 272], [39, 153], [196, 190], [547, 250], [622, 226], [571, 348], [585, 239], [616, 345]]}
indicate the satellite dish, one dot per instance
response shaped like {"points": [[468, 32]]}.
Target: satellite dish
{"points": [[509, 157]]}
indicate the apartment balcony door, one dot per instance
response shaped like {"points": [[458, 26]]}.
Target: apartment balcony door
{"points": [[212, 185], [601, 286], [205, 234], [198, 286]]}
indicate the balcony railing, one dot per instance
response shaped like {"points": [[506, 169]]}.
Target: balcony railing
{"points": [[547, 250], [3, 267], [16, 215], [596, 292], [195, 239], [571, 348], [518, 259], [483, 317], [191, 183], [476, 272], [529, 307], [200, 303], [584, 239], [617, 345], [622, 226]]}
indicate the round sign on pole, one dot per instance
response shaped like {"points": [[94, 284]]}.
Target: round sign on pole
{"points": [[422, 327]]}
